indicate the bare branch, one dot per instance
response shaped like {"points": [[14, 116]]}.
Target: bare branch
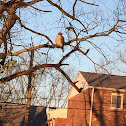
{"points": [[69, 80], [68, 54], [2, 55], [32, 2], [97, 48], [67, 14], [120, 32], [7, 26], [122, 58], [39, 9], [33, 48], [34, 31], [122, 20], [105, 33], [27, 72], [89, 3], [74, 8], [93, 61]]}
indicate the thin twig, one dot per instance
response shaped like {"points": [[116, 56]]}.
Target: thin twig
{"points": [[33, 30], [89, 3]]}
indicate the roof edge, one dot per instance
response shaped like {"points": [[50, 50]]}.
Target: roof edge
{"points": [[104, 88]]}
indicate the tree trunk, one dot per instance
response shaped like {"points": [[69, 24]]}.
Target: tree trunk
{"points": [[29, 89]]}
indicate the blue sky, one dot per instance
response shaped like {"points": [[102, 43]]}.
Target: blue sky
{"points": [[50, 24]]}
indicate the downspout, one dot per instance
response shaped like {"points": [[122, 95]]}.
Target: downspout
{"points": [[53, 120], [92, 98]]}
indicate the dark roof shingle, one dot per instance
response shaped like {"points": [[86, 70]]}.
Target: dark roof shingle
{"points": [[104, 80]]}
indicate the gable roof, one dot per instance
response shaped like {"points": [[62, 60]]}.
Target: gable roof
{"points": [[105, 80], [86, 80]]}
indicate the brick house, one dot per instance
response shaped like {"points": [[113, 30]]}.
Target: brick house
{"points": [[12, 114], [102, 101]]}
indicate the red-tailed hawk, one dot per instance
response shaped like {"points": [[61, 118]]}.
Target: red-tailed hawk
{"points": [[60, 40]]}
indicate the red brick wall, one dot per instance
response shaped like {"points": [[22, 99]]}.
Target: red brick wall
{"points": [[61, 122], [79, 109], [103, 114]]}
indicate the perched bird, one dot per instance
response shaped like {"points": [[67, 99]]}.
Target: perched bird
{"points": [[60, 41]]}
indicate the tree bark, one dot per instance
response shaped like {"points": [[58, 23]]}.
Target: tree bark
{"points": [[29, 89]]}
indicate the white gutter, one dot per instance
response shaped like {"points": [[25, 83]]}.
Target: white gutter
{"points": [[92, 98], [105, 88]]}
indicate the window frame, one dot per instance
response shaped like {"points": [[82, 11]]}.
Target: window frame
{"points": [[121, 104]]}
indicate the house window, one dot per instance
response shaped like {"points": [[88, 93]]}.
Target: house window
{"points": [[116, 101]]}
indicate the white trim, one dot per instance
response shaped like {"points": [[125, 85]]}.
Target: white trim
{"points": [[92, 98], [53, 122], [112, 89], [117, 94]]}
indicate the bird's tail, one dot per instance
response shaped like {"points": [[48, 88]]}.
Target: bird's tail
{"points": [[62, 49]]}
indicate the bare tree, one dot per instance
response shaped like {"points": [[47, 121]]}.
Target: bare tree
{"points": [[79, 23], [80, 35], [49, 88]]}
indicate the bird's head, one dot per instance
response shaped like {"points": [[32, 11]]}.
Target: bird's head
{"points": [[59, 33]]}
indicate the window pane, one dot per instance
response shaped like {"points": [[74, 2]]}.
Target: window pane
{"points": [[118, 101], [114, 100]]}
